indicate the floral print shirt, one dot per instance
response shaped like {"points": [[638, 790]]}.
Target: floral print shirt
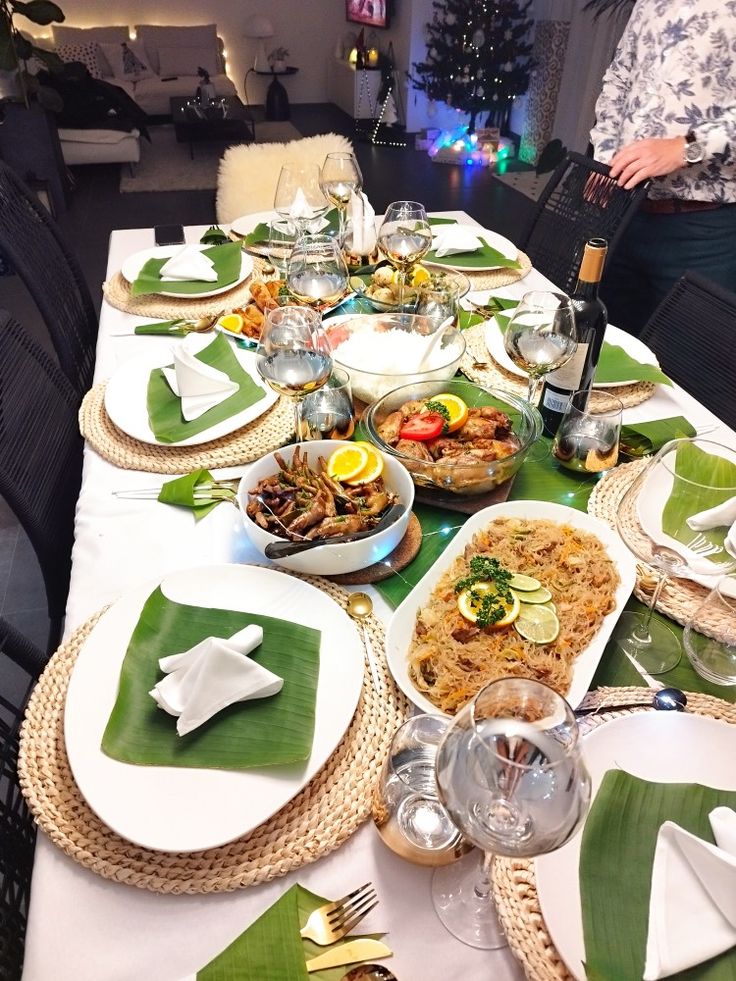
{"points": [[674, 71]]}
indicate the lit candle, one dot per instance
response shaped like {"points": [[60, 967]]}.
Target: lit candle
{"points": [[373, 57], [353, 56]]}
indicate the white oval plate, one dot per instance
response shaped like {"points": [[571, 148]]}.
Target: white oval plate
{"points": [[134, 263], [401, 627], [503, 245], [632, 345], [125, 396], [177, 809], [666, 747]]}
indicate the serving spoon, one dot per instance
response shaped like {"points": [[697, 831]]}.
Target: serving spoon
{"points": [[359, 607], [280, 550], [369, 972], [664, 700]]}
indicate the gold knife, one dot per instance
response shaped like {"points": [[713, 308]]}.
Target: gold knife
{"points": [[350, 953]]}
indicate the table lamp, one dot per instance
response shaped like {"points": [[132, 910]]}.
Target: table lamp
{"points": [[259, 27]]}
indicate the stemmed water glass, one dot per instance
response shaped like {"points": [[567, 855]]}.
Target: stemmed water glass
{"points": [[404, 238], [316, 273], [294, 355], [299, 198], [541, 335], [510, 773], [340, 176], [655, 518]]}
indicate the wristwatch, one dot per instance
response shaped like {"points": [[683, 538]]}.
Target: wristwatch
{"points": [[694, 152]]}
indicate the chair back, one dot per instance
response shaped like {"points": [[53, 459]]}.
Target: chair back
{"points": [[40, 457], [581, 201], [693, 334], [20, 664], [31, 240]]}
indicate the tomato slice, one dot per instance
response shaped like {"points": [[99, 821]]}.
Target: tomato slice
{"points": [[422, 427]]}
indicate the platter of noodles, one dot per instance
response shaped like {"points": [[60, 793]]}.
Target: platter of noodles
{"points": [[527, 589]]}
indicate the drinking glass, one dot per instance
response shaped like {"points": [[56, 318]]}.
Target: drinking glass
{"points": [[511, 775], [541, 335], [299, 198], [340, 175], [328, 413], [587, 440], [293, 354], [316, 273], [686, 478], [404, 238], [714, 656], [406, 809], [279, 244], [440, 299]]}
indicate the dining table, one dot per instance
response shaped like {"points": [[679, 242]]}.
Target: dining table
{"points": [[83, 927]]}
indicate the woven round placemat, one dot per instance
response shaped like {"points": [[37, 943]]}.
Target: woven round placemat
{"points": [[680, 598], [493, 278], [478, 365], [514, 880], [318, 820], [268, 432], [116, 291]]}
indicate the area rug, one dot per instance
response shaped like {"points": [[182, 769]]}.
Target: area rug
{"points": [[166, 165], [527, 182]]}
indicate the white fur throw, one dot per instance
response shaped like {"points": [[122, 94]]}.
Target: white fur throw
{"points": [[246, 181]]}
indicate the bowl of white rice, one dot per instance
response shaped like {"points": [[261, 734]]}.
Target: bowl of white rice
{"points": [[380, 352]]}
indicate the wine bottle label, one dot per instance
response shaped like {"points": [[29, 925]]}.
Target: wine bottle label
{"points": [[569, 375], [555, 401]]}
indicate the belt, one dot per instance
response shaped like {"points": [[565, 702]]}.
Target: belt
{"points": [[676, 206]]}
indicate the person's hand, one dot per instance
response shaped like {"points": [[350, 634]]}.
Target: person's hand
{"points": [[642, 159]]}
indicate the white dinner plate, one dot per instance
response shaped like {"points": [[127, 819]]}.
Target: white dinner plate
{"points": [[125, 396], [134, 263], [666, 747], [245, 224], [182, 809], [503, 245], [632, 345], [401, 627]]}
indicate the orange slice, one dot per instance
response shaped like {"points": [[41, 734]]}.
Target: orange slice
{"points": [[373, 468], [469, 608], [232, 322], [347, 462], [456, 407]]}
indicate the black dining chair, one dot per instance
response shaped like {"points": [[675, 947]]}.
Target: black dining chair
{"points": [[693, 334], [32, 243], [581, 201], [40, 458], [20, 664]]}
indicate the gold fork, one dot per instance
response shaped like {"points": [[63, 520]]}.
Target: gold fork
{"points": [[335, 920]]}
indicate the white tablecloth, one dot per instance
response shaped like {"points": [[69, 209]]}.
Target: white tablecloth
{"points": [[85, 928]]}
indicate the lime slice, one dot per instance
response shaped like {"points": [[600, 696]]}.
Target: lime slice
{"points": [[541, 595], [525, 584], [551, 606], [537, 623]]}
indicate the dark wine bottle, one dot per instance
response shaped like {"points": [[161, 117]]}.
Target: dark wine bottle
{"points": [[591, 319]]}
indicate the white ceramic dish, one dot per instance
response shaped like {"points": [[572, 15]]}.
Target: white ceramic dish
{"points": [[178, 809], [134, 263], [503, 245], [330, 560], [401, 627], [659, 746], [633, 346], [125, 396]]}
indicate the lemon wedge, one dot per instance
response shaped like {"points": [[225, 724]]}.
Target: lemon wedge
{"points": [[537, 623], [419, 276], [347, 462], [232, 322], [373, 468], [458, 411], [469, 605]]}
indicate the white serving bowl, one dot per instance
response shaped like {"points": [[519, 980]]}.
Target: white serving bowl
{"points": [[330, 560]]}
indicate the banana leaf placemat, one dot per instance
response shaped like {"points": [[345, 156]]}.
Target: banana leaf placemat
{"points": [[226, 261], [319, 819], [514, 880]]}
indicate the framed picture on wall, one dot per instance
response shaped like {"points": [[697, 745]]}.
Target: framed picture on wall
{"points": [[371, 13]]}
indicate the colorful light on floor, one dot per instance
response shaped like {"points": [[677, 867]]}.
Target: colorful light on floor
{"points": [[479, 149]]}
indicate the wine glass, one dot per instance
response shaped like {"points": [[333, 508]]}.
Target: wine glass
{"points": [[293, 354], [404, 238], [329, 413], [510, 773], [659, 520], [587, 440], [713, 655], [299, 198], [316, 273], [541, 335], [340, 175]]}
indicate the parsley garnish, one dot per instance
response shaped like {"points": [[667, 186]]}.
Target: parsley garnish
{"points": [[441, 409], [491, 605]]}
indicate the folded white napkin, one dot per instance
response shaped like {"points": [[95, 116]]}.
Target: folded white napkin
{"points": [[199, 386], [363, 224], [692, 906], [212, 675], [453, 239], [717, 517], [189, 264]]}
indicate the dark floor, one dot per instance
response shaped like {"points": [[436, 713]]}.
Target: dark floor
{"points": [[97, 207]]}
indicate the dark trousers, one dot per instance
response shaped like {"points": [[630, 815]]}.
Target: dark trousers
{"points": [[656, 250]]}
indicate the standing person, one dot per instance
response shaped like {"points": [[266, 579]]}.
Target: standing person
{"points": [[667, 111]]}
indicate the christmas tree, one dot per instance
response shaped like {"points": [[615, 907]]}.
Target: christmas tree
{"points": [[478, 56]]}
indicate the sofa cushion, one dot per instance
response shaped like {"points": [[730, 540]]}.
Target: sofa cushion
{"points": [[196, 36], [86, 53], [79, 35], [186, 61], [153, 94], [127, 60]]}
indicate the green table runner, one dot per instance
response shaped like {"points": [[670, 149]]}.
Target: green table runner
{"points": [[262, 732], [616, 859], [164, 408], [227, 263]]}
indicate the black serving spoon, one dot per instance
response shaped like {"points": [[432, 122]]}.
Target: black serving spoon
{"points": [[280, 550]]}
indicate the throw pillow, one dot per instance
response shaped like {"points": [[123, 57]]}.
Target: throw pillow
{"points": [[128, 61], [186, 61], [87, 52]]}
